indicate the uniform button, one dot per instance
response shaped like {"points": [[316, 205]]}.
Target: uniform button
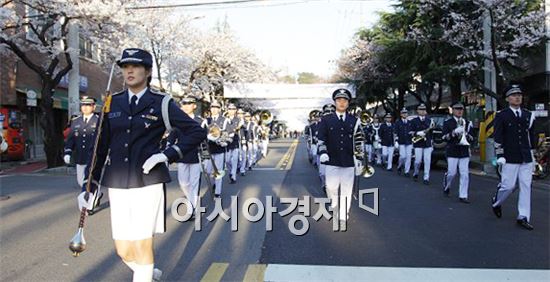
{"points": [[342, 135], [127, 130], [83, 141], [83, 146], [126, 159], [341, 149], [126, 145], [84, 135], [129, 118]]}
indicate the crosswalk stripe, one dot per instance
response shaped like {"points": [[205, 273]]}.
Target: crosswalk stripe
{"points": [[286, 272], [255, 273], [215, 272]]}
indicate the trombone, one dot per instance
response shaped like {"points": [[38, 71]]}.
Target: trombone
{"points": [[417, 138]]}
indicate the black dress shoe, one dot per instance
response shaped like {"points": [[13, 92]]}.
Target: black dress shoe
{"points": [[464, 200], [446, 192], [232, 181], [525, 224], [426, 182], [216, 195], [415, 177], [242, 174], [399, 171], [407, 175], [497, 210], [388, 169]]}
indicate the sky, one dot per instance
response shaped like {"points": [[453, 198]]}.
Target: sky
{"points": [[292, 35]]}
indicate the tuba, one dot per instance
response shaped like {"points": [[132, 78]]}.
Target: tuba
{"points": [[365, 118], [218, 135], [265, 117], [463, 139]]}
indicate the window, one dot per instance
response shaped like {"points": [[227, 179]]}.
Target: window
{"points": [[88, 49]]}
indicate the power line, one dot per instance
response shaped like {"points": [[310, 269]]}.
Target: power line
{"points": [[192, 4], [224, 3]]}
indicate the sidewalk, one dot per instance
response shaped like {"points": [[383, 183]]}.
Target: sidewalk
{"points": [[476, 168], [18, 167]]}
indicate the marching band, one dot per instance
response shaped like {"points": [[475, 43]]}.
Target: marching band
{"points": [[341, 142]]}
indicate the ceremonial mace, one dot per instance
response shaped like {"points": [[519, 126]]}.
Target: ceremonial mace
{"points": [[78, 243]]}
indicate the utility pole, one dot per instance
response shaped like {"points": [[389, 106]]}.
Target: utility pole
{"points": [[74, 73], [490, 83]]}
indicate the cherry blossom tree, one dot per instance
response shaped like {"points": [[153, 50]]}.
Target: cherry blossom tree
{"points": [[30, 27]]}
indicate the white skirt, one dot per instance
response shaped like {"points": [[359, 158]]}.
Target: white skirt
{"points": [[137, 213]]}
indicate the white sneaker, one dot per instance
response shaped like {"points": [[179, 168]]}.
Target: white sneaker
{"points": [[157, 274]]}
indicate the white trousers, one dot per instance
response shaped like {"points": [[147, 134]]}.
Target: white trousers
{"points": [[313, 152], [405, 156], [423, 155], [377, 155], [369, 152], [387, 155], [322, 173], [80, 171], [218, 160], [251, 154], [264, 143], [189, 176], [511, 174], [232, 160], [340, 179], [243, 158], [462, 165]]}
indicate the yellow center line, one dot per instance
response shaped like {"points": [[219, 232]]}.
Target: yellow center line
{"points": [[292, 155], [215, 272], [285, 156], [255, 273]]}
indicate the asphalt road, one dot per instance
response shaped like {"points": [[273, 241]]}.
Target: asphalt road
{"points": [[418, 234]]}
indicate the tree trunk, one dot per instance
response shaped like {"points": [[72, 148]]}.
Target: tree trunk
{"points": [[53, 134], [455, 89]]}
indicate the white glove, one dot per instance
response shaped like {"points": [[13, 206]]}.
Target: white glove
{"points": [[324, 158], [67, 159], [152, 161], [3, 146], [533, 154], [501, 161], [459, 130], [85, 200], [396, 145], [211, 138], [421, 133]]}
